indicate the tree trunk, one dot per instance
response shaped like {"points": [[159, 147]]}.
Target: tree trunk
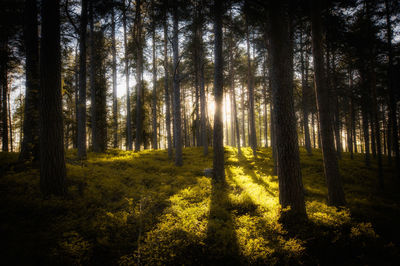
{"points": [[291, 192], [139, 74], [52, 161], [154, 104], [335, 191], [305, 96], [392, 97], [218, 137], [176, 92], [166, 90], [114, 80], [4, 87], [128, 98], [250, 87], [30, 143]]}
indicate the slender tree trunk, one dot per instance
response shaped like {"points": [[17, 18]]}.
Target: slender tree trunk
{"points": [[10, 122], [81, 123], [176, 92], [30, 143], [291, 192], [391, 85], [203, 107], [52, 162], [166, 90], [218, 137], [139, 67], [232, 85], [128, 98], [154, 105], [335, 191], [4, 87], [243, 118], [264, 91], [250, 87], [114, 79], [305, 96]]}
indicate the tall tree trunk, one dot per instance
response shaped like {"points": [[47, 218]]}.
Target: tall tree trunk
{"points": [[176, 87], [52, 161], [128, 98], [10, 122], [291, 192], [4, 87], [335, 191], [391, 85], [305, 96], [203, 107], [114, 79], [139, 74], [166, 90], [218, 137], [81, 123], [30, 143], [154, 104], [233, 93], [243, 118], [264, 91], [99, 121], [250, 87]]}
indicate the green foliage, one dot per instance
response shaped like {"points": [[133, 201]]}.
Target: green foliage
{"points": [[138, 208]]}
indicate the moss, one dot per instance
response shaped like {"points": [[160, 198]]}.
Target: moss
{"points": [[138, 208]]}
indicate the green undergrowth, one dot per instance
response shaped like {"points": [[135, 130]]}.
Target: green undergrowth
{"points": [[126, 208]]}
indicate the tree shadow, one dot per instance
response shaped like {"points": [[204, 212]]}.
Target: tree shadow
{"points": [[222, 246]]}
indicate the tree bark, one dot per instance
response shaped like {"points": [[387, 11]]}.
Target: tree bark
{"points": [[250, 87], [176, 89], [128, 97], [218, 137], [154, 104], [4, 87], [30, 143], [52, 161], [291, 192], [166, 90], [139, 74], [394, 138], [114, 79], [81, 115], [304, 97], [335, 191]]}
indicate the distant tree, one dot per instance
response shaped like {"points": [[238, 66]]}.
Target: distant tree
{"points": [[52, 161]]}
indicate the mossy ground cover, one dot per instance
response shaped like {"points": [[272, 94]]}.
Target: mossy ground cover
{"points": [[138, 208]]}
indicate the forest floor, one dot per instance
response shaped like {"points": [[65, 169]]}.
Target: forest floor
{"points": [[128, 208]]}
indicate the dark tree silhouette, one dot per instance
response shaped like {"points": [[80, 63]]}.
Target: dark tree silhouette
{"points": [[52, 161]]}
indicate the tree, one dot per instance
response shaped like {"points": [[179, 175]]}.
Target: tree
{"points": [[114, 78], [218, 137], [166, 88], [30, 143], [176, 88], [285, 136], [81, 111], [52, 161], [139, 74], [128, 98], [331, 168]]}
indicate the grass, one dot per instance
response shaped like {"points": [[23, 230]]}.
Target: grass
{"points": [[126, 208]]}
